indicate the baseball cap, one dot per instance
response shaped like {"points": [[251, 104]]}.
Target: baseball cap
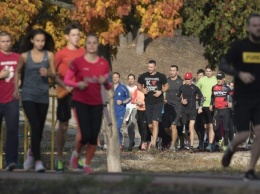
{"points": [[220, 75], [188, 75]]}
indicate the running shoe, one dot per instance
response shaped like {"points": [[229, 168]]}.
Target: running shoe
{"points": [[28, 163], [210, 148], [74, 159], [251, 176], [11, 167], [158, 144], [80, 164], [39, 167], [143, 146], [221, 142], [130, 148], [88, 170], [224, 148], [227, 157], [191, 150], [59, 166]]}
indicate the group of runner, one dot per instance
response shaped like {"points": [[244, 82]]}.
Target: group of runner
{"points": [[29, 74], [174, 108], [159, 102]]}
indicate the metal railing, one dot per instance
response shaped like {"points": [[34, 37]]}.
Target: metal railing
{"points": [[27, 134]]}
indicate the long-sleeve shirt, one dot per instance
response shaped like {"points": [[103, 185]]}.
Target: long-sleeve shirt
{"points": [[83, 71], [190, 93], [121, 93]]}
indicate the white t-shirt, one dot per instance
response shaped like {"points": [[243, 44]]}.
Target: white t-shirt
{"points": [[131, 91]]}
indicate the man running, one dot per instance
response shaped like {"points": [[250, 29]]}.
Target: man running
{"points": [[9, 108], [221, 101], [130, 115], [199, 126], [121, 99], [63, 59], [244, 56], [205, 84], [188, 94], [153, 84], [173, 106]]}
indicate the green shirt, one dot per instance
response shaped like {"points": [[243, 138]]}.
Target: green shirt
{"points": [[205, 84]]}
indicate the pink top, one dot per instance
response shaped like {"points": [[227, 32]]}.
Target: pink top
{"points": [[138, 99], [82, 70]]}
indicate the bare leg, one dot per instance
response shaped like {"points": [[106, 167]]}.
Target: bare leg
{"points": [[255, 149], [174, 134], [192, 132], [155, 132]]}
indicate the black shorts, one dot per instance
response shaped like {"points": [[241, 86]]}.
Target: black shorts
{"points": [[153, 112], [246, 111], [188, 115], [207, 116], [171, 115], [64, 108]]}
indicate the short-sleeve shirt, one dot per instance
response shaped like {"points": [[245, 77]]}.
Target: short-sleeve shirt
{"points": [[244, 55], [153, 83], [7, 84]]}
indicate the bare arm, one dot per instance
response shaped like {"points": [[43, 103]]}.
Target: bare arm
{"points": [[17, 74], [52, 73], [165, 87]]}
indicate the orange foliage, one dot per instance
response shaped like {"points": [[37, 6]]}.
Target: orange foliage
{"points": [[159, 19], [16, 15]]}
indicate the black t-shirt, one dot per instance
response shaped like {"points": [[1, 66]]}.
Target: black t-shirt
{"points": [[152, 83], [172, 92], [190, 92], [244, 55]]}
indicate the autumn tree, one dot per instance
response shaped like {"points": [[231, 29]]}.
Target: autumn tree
{"points": [[217, 23], [158, 18], [17, 15]]}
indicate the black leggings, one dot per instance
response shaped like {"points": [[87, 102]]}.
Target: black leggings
{"points": [[142, 126], [89, 119], [221, 115], [36, 114]]}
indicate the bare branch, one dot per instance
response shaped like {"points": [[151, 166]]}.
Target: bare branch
{"points": [[61, 4]]}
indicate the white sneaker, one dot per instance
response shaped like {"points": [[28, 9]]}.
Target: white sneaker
{"points": [[28, 163], [39, 167]]}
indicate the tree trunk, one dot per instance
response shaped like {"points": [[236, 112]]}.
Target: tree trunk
{"points": [[140, 43], [113, 151], [129, 37], [123, 40]]}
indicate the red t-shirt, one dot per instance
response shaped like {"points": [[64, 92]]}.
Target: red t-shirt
{"points": [[89, 72], [9, 61], [64, 57]]}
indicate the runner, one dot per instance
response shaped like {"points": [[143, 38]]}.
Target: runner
{"points": [[138, 99], [205, 84], [121, 98], [153, 84], [130, 115], [172, 106], [188, 94], [36, 59], [85, 75], [221, 101], [199, 126], [244, 55], [9, 107], [62, 60]]}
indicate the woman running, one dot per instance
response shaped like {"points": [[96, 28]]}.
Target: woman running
{"points": [[86, 74], [37, 60]]}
